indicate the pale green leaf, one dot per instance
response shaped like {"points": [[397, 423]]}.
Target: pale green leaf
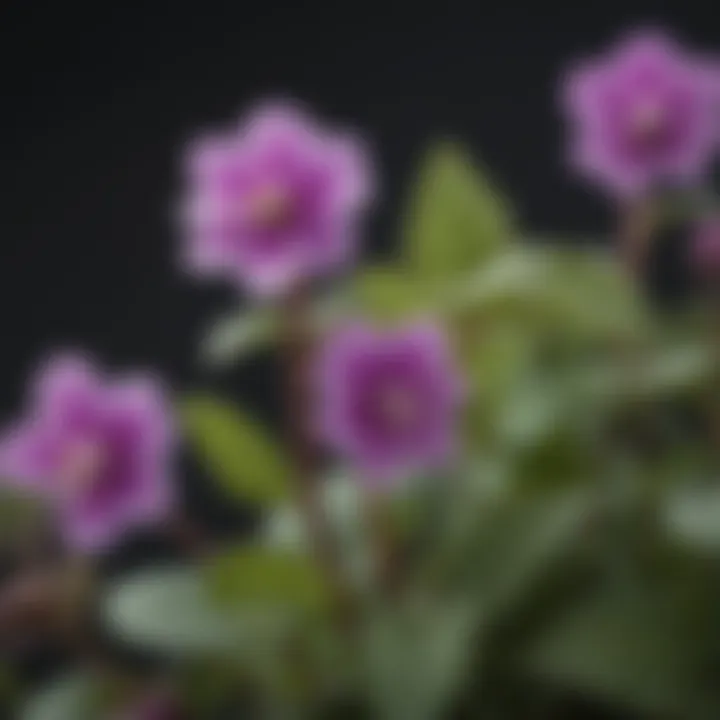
{"points": [[236, 336], [456, 219], [169, 609], [69, 698], [692, 516], [417, 658], [239, 454]]}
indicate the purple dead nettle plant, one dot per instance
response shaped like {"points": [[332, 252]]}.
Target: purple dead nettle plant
{"points": [[98, 448]]}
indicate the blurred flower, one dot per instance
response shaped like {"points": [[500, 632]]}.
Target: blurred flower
{"points": [[388, 399], [98, 449], [705, 248], [275, 202], [645, 114]]}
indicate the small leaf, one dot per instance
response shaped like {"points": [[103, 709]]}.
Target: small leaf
{"points": [[692, 516], [266, 578], [239, 454], [234, 337], [456, 220], [170, 610], [237, 336], [522, 539], [70, 698], [417, 659]]}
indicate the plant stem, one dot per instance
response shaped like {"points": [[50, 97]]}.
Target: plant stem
{"points": [[387, 555], [636, 223], [298, 348]]}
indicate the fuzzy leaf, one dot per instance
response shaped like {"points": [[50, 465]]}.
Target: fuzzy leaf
{"points": [[245, 462], [456, 220], [70, 698], [170, 610]]}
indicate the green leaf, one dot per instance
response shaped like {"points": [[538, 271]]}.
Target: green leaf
{"points": [[234, 337], [630, 646], [387, 294], [170, 609], [237, 336], [522, 539], [267, 578], [692, 517], [584, 292], [242, 458], [456, 220], [70, 698], [20, 516], [285, 529], [417, 658]]}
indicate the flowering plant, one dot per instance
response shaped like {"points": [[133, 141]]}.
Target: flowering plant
{"points": [[495, 493]]}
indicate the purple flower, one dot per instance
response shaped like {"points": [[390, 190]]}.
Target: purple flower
{"points": [[98, 449], [643, 115], [705, 247], [388, 400], [275, 202]]}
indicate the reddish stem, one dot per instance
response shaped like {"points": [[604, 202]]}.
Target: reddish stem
{"points": [[636, 223], [298, 349]]}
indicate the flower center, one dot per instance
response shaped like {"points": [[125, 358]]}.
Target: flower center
{"points": [[399, 407], [80, 467], [648, 121], [269, 208]]}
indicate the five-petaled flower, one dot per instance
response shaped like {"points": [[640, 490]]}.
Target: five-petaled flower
{"points": [[644, 116], [387, 400], [276, 202], [98, 449]]}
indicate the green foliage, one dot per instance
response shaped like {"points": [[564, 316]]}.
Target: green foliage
{"points": [[241, 457], [387, 294], [636, 647], [235, 337], [69, 698], [416, 658], [171, 610], [456, 220], [20, 517], [258, 577]]}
